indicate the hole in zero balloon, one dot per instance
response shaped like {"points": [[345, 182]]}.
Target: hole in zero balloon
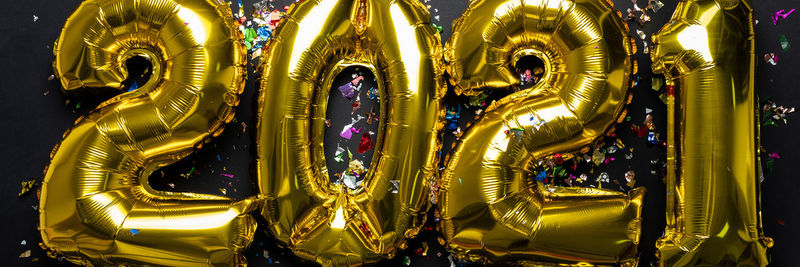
{"points": [[351, 129], [139, 71], [530, 70]]}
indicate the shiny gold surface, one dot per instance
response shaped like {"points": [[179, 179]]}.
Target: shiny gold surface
{"points": [[96, 206], [319, 220], [491, 208], [706, 54]]}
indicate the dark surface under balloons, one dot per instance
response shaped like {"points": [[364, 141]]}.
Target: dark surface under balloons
{"points": [[36, 116]]}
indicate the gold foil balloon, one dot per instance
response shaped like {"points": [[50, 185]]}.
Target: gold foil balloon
{"points": [[713, 218], [96, 205], [491, 208], [319, 220]]}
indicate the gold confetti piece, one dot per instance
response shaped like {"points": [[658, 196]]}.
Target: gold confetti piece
{"points": [[224, 191], [26, 187], [25, 254]]}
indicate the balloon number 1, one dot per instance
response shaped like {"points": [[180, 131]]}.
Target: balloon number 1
{"points": [[706, 54], [97, 209]]}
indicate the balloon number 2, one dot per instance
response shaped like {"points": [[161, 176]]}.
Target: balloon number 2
{"points": [[491, 207], [97, 208]]}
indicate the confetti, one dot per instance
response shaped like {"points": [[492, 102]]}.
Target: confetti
{"points": [[630, 177], [780, 14], [25, 254], [656, 83], [27, 186], [349, 89], [771, 58], [641, 34], [784, 42], [134, 231], [366, 143]]}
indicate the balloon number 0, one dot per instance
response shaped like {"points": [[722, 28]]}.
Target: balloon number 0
{"points": [[328, 223], [97, 210]]}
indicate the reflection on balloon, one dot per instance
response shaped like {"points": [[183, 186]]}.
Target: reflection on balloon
{"points": [[706, 53], [326, 222], [97, 207], [491, 208]]}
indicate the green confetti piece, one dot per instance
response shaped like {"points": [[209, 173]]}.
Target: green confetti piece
{"points": [[78, 105], [438, 28], [250, 35], [770, 123], [784, 42], [770, 163], [767, 115]]}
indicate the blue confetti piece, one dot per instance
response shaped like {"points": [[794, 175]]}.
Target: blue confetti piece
{"points": [[541, 176], [134, 86], [264, 33], [134, 231]]}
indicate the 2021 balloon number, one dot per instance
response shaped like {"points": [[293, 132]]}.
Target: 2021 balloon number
{"points": [[97, 210]]}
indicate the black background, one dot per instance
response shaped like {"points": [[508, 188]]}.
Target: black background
{"points": [[33, 123]]}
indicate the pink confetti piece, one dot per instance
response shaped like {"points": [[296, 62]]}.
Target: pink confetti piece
{"points": [[780, 14], [227, 175]]}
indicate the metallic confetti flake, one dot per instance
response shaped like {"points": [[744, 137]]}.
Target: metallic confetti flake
{"points": [[629, 176], [26, 187], [641, 34], [656, 83], [784, 42]]}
